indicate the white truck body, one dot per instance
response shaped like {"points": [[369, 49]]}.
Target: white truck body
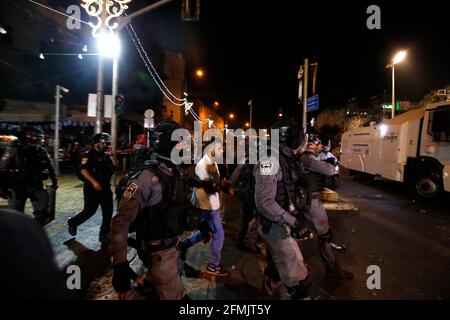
{"points": [[406, 148]]}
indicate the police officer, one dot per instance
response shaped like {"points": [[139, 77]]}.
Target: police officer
{"points": [[96, 169], [316, 171], [279, 219], [31, 162], [149, 206]]}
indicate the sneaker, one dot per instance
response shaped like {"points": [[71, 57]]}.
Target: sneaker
{"points": [[72, 229], [219, 271]]}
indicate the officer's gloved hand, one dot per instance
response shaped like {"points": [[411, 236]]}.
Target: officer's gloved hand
{"points": [[332, 161], [210, 187], [300, 231], [122, 276]]}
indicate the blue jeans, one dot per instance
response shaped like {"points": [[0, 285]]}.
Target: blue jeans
{"points": [[215, 223]]}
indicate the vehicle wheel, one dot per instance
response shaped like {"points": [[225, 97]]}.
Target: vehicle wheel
{"points": [[427, 185]]}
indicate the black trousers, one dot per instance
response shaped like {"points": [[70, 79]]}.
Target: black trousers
{"points": [[93, 199], [248, 213], [38, 197]]}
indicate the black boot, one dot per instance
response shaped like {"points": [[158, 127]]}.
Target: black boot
{"points": [[300, 291], [337, 273], [72, 228]]}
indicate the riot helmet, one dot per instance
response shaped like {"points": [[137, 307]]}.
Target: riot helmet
{"points": [[161, 138], [104, 139], [290, 134], [140, 158], [33, 135]]}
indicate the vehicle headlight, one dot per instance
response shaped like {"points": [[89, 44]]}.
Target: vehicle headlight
{"points": [[337, 168]]}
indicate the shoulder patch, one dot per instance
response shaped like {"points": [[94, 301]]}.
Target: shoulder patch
{"points": [[130, 191], [84, 160], [265, 167]]}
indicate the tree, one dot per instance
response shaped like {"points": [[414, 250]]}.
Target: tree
{"points": [[431, 97]]}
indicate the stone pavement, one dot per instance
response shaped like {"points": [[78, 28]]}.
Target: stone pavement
{"points": [[85, 251]]}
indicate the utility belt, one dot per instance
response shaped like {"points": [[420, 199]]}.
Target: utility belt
{"points": [[163, 244]]}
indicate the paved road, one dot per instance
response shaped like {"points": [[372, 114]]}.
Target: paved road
{"points": [[408, 239]]}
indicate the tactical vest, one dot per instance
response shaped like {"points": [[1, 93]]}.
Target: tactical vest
{"points": [[170, 217], [312, 188], [290, 194]]}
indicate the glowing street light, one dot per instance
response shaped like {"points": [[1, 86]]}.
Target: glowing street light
{"points": [[216, 104], [199, 73], [231, 115], [247, 125], [399, 57], [108, 44]]}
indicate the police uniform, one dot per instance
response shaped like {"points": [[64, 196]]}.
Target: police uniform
{"points": [[101, 168], [316, 213], [143, 205], [276, 182], [33, 166]]}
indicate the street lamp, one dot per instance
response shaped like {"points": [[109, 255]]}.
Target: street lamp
{"points": [[57, 111], [247, 125], [399, 57], [108, 44], [216, 104], [199, 73], [231, 116]]}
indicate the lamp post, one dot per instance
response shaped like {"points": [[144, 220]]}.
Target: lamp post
{"points": [[399, 57], [109, 18], [109, 46], [57, 111]]}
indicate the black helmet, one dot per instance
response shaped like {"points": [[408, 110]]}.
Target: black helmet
{"points": [[33, 134], [101, 137], [160, 138], [291, 135], [140, 158]]}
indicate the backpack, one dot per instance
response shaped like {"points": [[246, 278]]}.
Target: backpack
{"points": [[179, 214], [245, 182]]}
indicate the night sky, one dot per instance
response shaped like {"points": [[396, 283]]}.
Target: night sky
{"points": [[252, 49]]}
